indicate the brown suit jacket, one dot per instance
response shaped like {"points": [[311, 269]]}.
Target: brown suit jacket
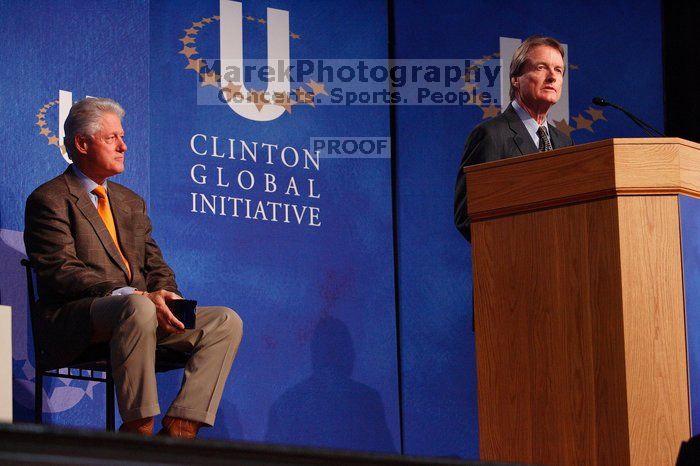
{"points": [[76, 259]]}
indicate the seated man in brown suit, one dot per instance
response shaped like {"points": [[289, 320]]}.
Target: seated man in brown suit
{"points": [[102, 278]]}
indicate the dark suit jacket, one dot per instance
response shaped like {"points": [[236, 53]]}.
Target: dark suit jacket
{"points": [[76, 259], [501, 137]]}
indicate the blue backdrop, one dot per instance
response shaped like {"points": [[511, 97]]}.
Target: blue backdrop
{"points": [[606, 57], [320, 363]]}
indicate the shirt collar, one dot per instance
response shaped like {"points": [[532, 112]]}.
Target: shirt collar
{"points": [[529, 122], [87, 183]]}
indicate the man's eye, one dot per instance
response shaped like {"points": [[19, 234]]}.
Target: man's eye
{"points": [[110, 139]]}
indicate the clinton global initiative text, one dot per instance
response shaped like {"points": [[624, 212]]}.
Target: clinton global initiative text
{"points": [[238, 168]]}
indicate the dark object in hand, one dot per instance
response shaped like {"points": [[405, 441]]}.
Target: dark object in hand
{"points": [[184, 311]]}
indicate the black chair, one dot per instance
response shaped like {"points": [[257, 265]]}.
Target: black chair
{"points": [[93, 364]]}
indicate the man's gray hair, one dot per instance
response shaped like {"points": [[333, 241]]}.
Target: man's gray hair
{"points": [[84, 119], [522, 53]]}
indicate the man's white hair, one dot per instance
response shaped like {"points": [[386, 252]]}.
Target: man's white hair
{"points": [[84, 119]]}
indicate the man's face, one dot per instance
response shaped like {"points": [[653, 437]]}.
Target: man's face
{"points": [[103, 153], [539, 87]]}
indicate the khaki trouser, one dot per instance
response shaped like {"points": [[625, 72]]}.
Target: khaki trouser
{"points": [[129, 324]]}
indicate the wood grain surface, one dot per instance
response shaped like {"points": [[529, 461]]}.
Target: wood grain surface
{"points": [[579, 334], [581, 173]]}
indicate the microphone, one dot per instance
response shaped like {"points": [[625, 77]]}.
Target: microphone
{"points": [[646, 127]]}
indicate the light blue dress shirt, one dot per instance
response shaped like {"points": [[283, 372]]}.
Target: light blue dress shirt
{"points": [[530, 123]]}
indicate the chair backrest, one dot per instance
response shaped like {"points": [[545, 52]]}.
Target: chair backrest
{"points": [[32, 298]]}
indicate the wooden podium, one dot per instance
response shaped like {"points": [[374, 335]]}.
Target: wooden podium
{"points": [[579, 304]]}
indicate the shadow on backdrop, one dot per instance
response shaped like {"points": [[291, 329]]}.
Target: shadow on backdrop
{"points": [[329, 409]]}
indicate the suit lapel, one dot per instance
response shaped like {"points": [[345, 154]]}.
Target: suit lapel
{"points": [[521, 138], [122, 220], [88, 209], [557, 137]]}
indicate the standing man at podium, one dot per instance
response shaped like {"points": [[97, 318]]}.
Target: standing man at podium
{"points": [[536, 77]]}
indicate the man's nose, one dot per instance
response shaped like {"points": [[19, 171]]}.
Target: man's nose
{"points": [[121, 147]]}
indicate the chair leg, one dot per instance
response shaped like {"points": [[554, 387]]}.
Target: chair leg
{"points": [[38, 396], [110, 402]]}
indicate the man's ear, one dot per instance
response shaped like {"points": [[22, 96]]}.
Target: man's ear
{"points": [[81, 143], [514, 82]]}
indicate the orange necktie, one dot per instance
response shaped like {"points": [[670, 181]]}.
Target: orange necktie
{"points": [[106, 213]]}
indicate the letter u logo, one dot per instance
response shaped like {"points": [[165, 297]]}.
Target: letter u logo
{"points": [[231, 46]]}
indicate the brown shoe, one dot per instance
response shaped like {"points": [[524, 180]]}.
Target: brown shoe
{"points": [[139, 426], [179, 428]]}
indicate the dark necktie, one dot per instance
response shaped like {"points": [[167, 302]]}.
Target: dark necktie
{"points": [[545, 143]]}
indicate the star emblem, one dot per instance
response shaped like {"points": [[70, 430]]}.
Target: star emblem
{"points": [[236, 92], [317, 88], [89, 390], [467, 77], [188, 51], [469, 87], [41, 123], [563, 126], [595, 114], [232, 91], [194, 64], [24, 367], [44, 131], [258, 99], [210, 79], [53, 140], [583, 123], [490, 111], [304, 97], [480, 99], [282, 99]]}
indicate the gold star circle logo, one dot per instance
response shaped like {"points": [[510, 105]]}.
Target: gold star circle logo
{"points": [[210, 77]]}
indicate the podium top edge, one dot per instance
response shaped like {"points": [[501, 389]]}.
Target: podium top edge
{"points": [[579, 148]]}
